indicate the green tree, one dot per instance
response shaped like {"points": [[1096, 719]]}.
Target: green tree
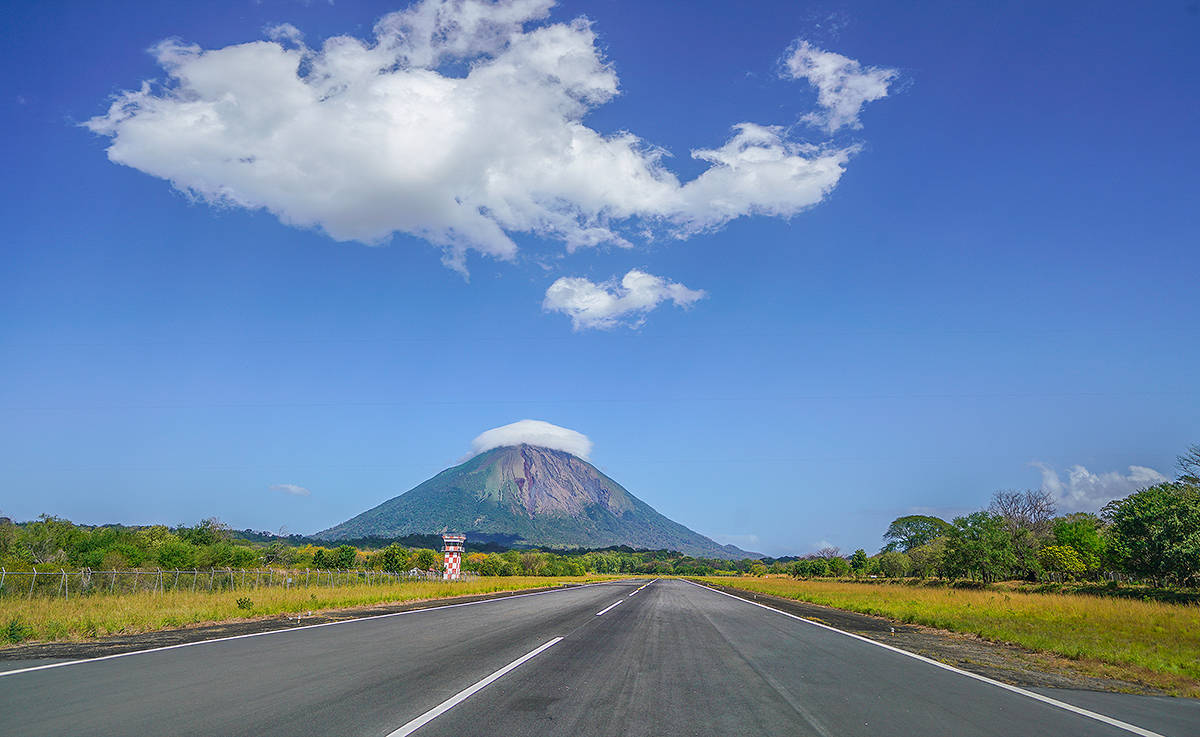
{"points": [[176, 554], [424, 558], [927, 559], [979, 545], [48, 540], [1082, 531], [858, 562], [1061, 559], [894, 564], [209, 532], [1156, 532], [393, 558], [910, 531], [838, 566], [8, 537], [344, 556]]}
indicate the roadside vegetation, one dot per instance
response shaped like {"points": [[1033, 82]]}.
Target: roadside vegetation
{"points": [[87, 617]]}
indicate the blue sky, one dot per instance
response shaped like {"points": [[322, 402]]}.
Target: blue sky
{"points": [[995, 287]]}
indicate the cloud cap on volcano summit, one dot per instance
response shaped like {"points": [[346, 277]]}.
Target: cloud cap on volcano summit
{"points": [[533, 432]]}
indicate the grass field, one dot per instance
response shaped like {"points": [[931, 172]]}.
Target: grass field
{"points": [[1145, 637], [87, 617]]}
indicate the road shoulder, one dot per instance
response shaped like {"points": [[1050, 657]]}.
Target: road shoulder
{"points": [[117, 644], [1006, 663]]}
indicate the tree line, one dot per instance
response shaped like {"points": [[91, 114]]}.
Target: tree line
{"points": [[1151, 535], [53, 542]]}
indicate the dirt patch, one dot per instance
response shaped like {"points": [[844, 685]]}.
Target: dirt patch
{"points": [[1005, 663], [117, 644]]}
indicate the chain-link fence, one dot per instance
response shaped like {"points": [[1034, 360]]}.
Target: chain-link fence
{"points": [[64, 583]]}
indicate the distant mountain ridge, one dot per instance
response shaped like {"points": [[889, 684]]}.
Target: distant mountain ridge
{"points": [[530, 495]]}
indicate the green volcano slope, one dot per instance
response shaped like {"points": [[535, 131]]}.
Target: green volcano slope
{"points": [[529, 495]]}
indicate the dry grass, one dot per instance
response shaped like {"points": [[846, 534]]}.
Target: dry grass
{"points": [[1145, 635], [87, 617]]}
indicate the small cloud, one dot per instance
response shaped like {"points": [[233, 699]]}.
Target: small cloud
{"points": [[843, 85], [533, 432], [291, 489], [609, 304], [1084, 491]]}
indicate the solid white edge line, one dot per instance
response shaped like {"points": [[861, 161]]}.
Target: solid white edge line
{"points": [[466, 693], [610, 606], [1008, 687], [293, 629]]}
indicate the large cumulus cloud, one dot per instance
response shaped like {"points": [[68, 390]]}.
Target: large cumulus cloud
{"points": [[460, 122]]}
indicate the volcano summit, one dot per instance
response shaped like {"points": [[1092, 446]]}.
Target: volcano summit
{"points": [[530, 495]]}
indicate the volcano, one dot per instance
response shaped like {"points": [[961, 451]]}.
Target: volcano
{"points": [[534, 496]]}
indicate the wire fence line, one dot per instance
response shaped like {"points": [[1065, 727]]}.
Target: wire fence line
{"points": [[85, 581]]}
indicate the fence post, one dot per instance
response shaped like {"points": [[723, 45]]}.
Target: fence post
{"points": [[195, 575], [32, 582], [66, 586], [2, 572]]}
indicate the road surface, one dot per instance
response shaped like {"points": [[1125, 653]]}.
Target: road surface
{"points": [[620, 658]]}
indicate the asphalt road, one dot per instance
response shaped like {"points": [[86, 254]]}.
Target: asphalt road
{"points": [[671, 659]]}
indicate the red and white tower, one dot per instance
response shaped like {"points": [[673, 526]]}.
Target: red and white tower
{"points": [[452, 550]]}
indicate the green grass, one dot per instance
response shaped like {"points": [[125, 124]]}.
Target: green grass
{"points": [[98, 615], [1144, 637]]}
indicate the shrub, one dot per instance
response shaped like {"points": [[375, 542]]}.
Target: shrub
{"points": [[17, 631]]}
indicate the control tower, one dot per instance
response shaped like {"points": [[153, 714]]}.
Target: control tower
{"points": [[452, 550]]}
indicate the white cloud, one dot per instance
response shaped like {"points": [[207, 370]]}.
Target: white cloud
{"points": [[610, 304], [364, 139], [843, 85], [1084, 491], [291, 489], [533, 432]]}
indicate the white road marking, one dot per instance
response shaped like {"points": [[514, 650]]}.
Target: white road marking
{"points": [[610, 606], [466, 693], [639, 588], [1015, 689], [290, 629]]}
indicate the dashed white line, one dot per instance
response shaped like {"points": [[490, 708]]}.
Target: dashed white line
{"points": [[639, 588], [1015, 689], [466, 693], [610, 606]]}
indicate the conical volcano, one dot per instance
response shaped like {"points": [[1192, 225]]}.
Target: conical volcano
{"points": [[530, 495]]}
